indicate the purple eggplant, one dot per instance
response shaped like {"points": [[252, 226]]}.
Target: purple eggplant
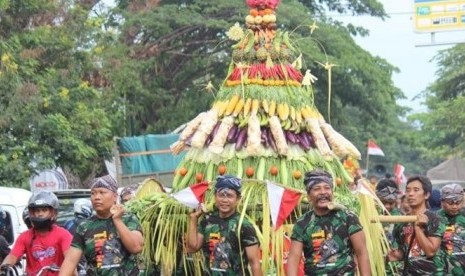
{"points": [[311, 140], [215, 129], [264, 137], [303, 142], [232, 134], [209, 140], [241, 138], [272, 141], [290, 137], [212, 133]]}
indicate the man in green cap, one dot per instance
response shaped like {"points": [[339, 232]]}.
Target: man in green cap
{"points": [[228, 245]]}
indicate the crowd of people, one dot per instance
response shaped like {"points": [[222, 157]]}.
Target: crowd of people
{"points": [[104, 239], [435, 243]]}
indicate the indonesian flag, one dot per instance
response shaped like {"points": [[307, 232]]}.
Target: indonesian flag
{"points": [[282, 201], [374, 149], [192, 196], [399, 174]]}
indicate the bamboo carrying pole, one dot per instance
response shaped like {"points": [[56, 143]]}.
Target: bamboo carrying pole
{"points": [[395, 219]]}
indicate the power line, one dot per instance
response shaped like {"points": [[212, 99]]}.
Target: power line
{"points": [[366, 15]]}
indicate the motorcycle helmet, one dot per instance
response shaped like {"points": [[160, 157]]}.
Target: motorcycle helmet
{"points": [[3, 219], [26, 218], [43, 199], [83, 208]]}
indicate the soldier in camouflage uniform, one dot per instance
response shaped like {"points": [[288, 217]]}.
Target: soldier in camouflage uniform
{"points": [[417, 244], [388, 193], [229, 247], [453, 241], [110, 240], [327, 238]]}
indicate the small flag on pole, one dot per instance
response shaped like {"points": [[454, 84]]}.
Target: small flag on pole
{"points": [[282, 201], [399, 175], [192, 196], [374, 149]]}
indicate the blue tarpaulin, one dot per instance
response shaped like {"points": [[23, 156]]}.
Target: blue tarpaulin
{"points": [[160, 161]]}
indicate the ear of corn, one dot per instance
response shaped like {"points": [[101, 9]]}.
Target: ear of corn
{"points": [[216, 105], [192, 126], [298, 115], [272, 109], [255, 106], [238, 108], [305, 113], [222, 105], [292, 113], [283, 111], [286, 111], [320, 140], [205, 128], [247, 106], [231, 105], [265, 105]]}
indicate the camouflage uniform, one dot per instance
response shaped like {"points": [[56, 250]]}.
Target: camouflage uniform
{"points": [[418, 263], [453, 242], [103, 248], [326, 242], [393, 268], [223, 248]]}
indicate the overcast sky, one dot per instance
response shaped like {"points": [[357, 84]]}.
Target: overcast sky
{"points": [[396, 41]]}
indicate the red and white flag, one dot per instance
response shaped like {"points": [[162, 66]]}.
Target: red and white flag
{"points": [[193, 195], [282, 201], [399, 174], [374, 149]]}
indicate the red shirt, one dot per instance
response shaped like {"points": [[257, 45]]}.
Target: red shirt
{"points": [[42, 249]]}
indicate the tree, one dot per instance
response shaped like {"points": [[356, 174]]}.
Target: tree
{"points": [[172, 50], [51, 116], [441, 128], [75, 74]]}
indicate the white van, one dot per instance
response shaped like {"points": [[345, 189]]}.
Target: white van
{"points": [[13, 201]]}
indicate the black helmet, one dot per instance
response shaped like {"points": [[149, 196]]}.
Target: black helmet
{"points": [[3, 219], [43, 199], [26, 218]]}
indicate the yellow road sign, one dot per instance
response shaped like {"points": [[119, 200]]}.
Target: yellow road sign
{"points": [[439, 15]]}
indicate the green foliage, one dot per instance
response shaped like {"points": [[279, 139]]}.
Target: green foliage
{"points": [[50, 115], [441, 128], [74, 74]]}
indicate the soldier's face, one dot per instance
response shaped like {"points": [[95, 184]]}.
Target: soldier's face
{"points": [[389, 204], [452, 207], [102, 199], [320, 195], [226, 201], [415, 194]]}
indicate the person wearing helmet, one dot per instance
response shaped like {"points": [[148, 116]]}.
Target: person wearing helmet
{"points": [[128, 193], [4, 247], [82, 211], [26, 218], [110, 240], [45, 243]]}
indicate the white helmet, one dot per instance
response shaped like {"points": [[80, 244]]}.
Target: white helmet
{"points": [[83, 208]]}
